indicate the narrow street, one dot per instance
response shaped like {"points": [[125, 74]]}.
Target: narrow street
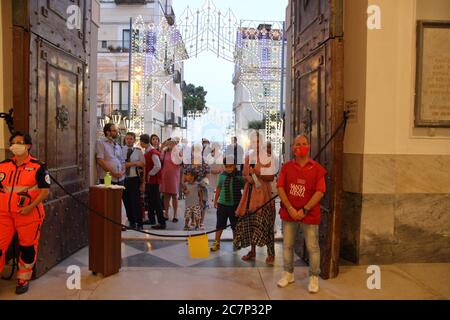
{"points": [[320, 130]]}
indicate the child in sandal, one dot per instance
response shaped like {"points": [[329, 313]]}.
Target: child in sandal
{"points": [[193, 201]]}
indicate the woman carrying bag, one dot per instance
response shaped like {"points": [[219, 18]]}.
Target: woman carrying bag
{"points": [[256, 228]]}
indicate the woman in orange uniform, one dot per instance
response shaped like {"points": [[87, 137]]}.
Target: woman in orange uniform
{"points": [[24, 185]]}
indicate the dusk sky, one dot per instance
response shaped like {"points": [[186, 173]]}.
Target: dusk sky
{"points": [[215, 74]]}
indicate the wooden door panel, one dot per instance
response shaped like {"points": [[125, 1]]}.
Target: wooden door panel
{"points": [[74, 224], [59, 140], [49, 20], [49, 71], [59, 117], [295, 125], [68, 86], [335, 117], [309, 13], [46, 118], [64, 232], [317, 111], [312, 19], [59, 7], [311, 74], [309, 106], [317, 21], [51, 233], [21, 79]]}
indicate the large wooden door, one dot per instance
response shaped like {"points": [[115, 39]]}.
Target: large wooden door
{"points": [[61, 126], [318, 107], [55, 111]]}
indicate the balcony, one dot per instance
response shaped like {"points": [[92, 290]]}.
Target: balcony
{"points": [[170, 15], [183, 122], [169, 67], [119, 2], [113, 46], [178, 122], [170, 119], [108, 109], [177, 77]]}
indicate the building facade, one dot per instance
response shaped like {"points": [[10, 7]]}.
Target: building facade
{"points": [[257, 77], [113, 71], [242, 105], [395, 179]]}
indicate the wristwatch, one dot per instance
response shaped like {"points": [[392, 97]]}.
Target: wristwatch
{"points": [[306, 211]]}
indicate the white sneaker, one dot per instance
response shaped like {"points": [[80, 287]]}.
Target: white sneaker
{"points": [[313, 286], [286, 279]]}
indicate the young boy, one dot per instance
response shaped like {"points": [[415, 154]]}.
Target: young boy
{"points": [[193, 198], [227, 198]]}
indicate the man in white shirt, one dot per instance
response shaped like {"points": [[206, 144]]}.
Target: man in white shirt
{"points": [[109, 156]]}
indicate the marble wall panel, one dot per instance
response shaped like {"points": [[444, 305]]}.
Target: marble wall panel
{"points": [[350, 227], [422, 174], [424, 211], [353, 172], [379, 174], [377, 217], [421, 229], [396, 208]]}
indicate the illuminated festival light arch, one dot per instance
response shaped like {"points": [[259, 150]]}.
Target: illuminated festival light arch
{"points": [[256, 48]]}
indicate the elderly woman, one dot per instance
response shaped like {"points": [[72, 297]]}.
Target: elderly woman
{"points": [[170, 174], [255, 226]]}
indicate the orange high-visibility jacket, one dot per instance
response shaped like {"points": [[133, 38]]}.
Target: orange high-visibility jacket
{"points": [[19, 185]]}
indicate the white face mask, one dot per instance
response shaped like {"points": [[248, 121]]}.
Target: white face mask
{"points": [[18, 149]]}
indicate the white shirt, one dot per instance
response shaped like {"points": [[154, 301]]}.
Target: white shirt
{"points": [[112, 154], [136, 156], [156, 163]]}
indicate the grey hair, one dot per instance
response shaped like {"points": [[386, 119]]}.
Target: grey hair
{"points": [[302, 135]]}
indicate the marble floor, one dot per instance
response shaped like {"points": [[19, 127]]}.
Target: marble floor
{"points": [[158, 268], [177, 228], [163, 270]]}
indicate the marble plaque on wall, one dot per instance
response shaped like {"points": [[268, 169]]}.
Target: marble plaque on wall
{"points": [[433, 74]]}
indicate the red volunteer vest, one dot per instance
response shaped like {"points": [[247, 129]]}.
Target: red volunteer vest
{"points": [[149, 164]]}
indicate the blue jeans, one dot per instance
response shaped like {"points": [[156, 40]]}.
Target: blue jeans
{"points": [[311, 234]]}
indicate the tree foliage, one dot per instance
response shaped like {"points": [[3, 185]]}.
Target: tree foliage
{"points": [[194, 98], [257, 125]]}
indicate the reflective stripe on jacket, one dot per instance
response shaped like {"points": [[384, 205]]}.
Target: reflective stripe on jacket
{"points": [[20, 185]]}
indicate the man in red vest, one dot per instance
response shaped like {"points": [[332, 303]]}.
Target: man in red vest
{"points": [[152, 177], [24, 185], [301, 186]]}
